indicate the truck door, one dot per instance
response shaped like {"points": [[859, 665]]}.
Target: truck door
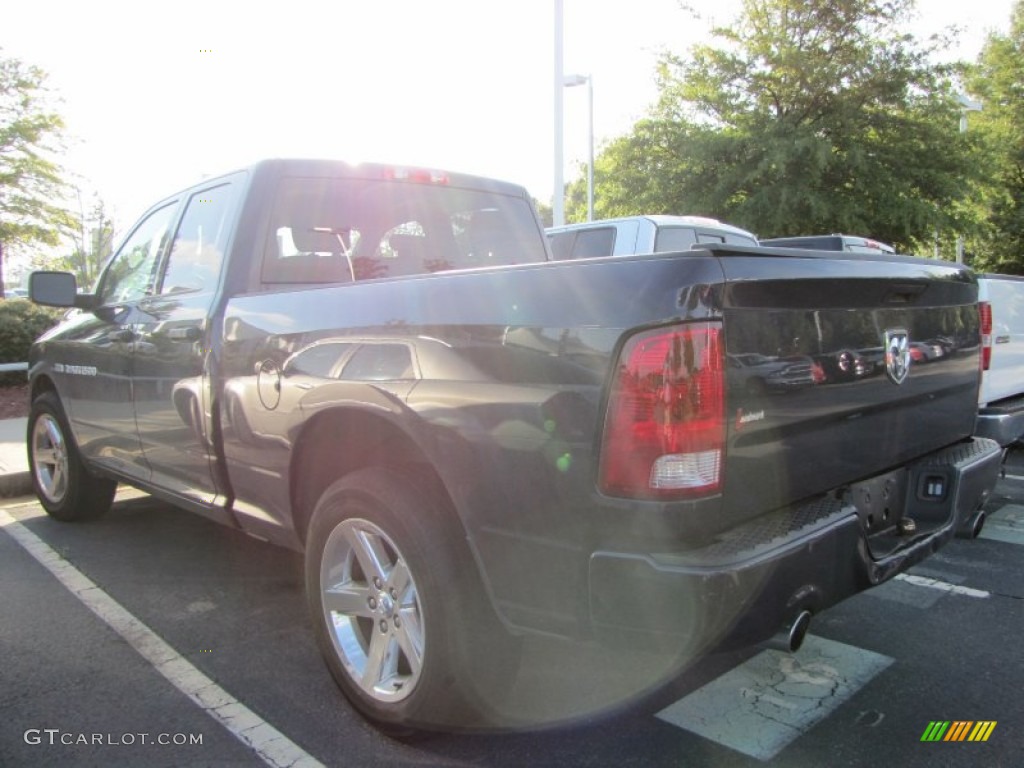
{"points": [[94, 367], [173, 407]]}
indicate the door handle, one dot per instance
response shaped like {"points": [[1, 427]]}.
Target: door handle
{"points": [[121, 334], [190, 333]]}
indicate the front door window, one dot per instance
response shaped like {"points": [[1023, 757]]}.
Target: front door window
{"points": [[133, 271]]}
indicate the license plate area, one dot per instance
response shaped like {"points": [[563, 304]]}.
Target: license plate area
{"points": [[881, 503], [901, 506]]}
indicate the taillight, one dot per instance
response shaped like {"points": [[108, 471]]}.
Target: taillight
{"points": [[985, 317], [664, 432]]}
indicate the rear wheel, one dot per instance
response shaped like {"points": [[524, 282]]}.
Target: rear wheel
{"points": [[398, 609], [61, 481]]}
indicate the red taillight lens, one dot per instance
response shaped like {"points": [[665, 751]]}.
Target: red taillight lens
{"points": [[985, 316], [664, 432]]}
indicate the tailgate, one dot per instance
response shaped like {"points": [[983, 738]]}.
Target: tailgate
{"points": [[840, 369]]}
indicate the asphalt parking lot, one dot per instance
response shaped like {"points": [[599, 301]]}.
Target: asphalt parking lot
{"points": [[155, 637]]}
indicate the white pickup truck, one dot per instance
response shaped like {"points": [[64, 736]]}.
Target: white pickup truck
{"points": [[630, 235], [1001, 399]]}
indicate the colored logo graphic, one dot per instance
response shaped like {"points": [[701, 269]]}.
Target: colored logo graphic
{"points": [[958, 730]]}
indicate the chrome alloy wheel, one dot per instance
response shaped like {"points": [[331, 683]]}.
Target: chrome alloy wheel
{"points": [[372, 610], [50, 458]]}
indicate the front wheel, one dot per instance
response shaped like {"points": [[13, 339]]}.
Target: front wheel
{"points": [[398, 609], [61, 481]]}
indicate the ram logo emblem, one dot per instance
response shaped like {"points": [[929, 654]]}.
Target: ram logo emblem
{"points": [[897, 354]]}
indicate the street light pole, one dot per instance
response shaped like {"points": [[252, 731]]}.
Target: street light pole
{"points": [[966, 105], [570, 81], [557, 199]]}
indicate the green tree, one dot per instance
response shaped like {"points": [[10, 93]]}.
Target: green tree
{"points": [[93, 240], [544, 212], [998, 81], [31, 186], [804, 116]]}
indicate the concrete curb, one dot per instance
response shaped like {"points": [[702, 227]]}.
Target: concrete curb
{"points": [[15, 479], [15, 484]]}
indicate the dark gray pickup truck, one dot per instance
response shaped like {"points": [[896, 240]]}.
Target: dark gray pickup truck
{"points": [[381, 367]]}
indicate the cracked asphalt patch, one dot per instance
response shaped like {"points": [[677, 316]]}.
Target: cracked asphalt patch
{"points": [[762, 705]]}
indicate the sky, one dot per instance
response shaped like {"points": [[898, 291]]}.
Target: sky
{"points": [[157, 96]]}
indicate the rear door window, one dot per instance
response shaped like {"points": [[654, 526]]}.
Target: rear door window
{"points": [[379, 362], [319, 360], [593, 243], [561, 244], [198, 249], [674, 239]]}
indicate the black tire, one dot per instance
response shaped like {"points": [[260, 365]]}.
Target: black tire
{"points": [[415, 645], [61, 481]]}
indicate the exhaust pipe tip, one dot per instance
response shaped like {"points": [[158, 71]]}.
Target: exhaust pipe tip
{"points": [[791, 639], [979, 523], [798, 631], [972, 527]]}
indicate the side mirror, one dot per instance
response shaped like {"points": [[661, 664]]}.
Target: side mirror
{"points": [[56, 289]]}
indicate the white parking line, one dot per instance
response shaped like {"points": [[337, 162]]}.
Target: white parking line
{"points": [[923, 581], [272, 746], [1013, 477]]}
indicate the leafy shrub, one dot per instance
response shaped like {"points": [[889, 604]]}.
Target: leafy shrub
{"points": [[21, 322]]}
